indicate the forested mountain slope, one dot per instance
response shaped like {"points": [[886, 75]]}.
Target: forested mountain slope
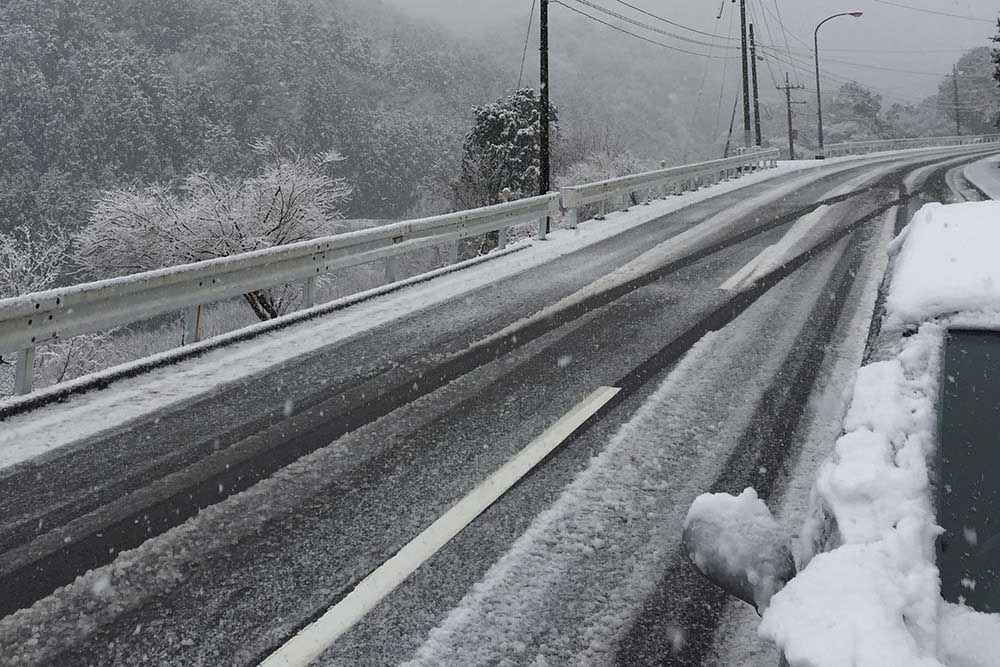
{"points": [[101, 93]]}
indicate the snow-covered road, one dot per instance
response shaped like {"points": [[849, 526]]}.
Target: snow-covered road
{"points": [[578, 563]]}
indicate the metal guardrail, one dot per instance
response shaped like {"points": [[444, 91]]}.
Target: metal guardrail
{"points": [[863, 147], [679, 179], [32, 319]]}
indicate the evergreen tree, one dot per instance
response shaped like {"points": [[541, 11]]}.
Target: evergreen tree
{"points": [[502, 150]]}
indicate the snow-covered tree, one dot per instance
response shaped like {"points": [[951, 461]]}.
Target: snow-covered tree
{"points": [[978, 96], [854, 114], [502, 151], [31, 260], [292, 199]]}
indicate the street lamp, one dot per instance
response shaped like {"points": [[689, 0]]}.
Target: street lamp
{"points": [[819, 96]]}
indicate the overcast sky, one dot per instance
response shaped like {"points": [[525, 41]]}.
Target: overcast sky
{"points": [[932, 42]]}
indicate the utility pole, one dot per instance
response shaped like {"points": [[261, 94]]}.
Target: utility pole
{"points": [[756, 97], [788, 88], [747, 139], [958, 112], [543, 177]]}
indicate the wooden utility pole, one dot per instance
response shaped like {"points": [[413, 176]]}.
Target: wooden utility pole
{"points": [[543, 178], [788, 88], [756, 97], [747, 139], [958, 111], [545, 159]]}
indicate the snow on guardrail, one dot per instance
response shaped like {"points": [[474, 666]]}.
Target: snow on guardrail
{"points": [[864, 147], [32, 319]]}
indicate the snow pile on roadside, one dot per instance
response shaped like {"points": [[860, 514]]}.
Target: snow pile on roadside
{"points": [[874, 600], [985, 176], [947, 263]]}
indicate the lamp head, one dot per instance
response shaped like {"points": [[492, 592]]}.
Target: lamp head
{"points": [[856, 14]]}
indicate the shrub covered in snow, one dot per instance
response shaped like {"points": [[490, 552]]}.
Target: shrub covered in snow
{"points": [[292, 199]]}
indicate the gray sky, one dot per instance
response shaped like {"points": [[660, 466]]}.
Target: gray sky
{"points": [[933, 43]]}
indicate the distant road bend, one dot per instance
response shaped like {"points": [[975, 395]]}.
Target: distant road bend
{"points": [[204, 514]]}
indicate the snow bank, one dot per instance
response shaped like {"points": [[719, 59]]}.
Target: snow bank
{"points": [[874, 600], [985, 175], [947, 263]]}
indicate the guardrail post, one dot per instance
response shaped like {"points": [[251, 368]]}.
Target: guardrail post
{"points": [[572, 217], [541, 227], [453, 252], [505, 196], [308, 296], [23, 372], [192, 325], [391, 269]]}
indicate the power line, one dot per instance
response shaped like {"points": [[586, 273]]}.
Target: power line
{"points": [[667, 21], [627, 32], [704, 76], [646, 26], [524, 56], [935, 12], [725, 65], [784, 32], [841, 80], [898, 51], [882, 68], [767, 27]]}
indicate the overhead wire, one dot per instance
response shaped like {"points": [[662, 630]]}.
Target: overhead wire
{"points": [[628, 32], [890, 93], [524, 54], [770, 36], [935, 12], [666, 20], [784, 31], [722, 91], [704, 76], [646, 26]]}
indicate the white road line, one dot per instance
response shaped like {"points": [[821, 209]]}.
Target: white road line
{"points": [[313, 640], [775, 256]]}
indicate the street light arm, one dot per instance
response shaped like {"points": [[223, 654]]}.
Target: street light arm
{"points": [[830, 18]]}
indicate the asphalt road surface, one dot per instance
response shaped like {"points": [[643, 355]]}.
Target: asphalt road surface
{"points": [[259, 505]]}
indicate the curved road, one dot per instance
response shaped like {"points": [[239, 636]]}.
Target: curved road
{"points": [[306, 477]]}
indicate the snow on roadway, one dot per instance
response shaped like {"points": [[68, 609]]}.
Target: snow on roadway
{"points": [[52, 427], [49, 428], [736, 640], [78, 418], [875, 599], [568, 590], [985, 175]]}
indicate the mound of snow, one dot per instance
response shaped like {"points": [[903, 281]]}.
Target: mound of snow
{"points": [[736, 542], [947, 263]]}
